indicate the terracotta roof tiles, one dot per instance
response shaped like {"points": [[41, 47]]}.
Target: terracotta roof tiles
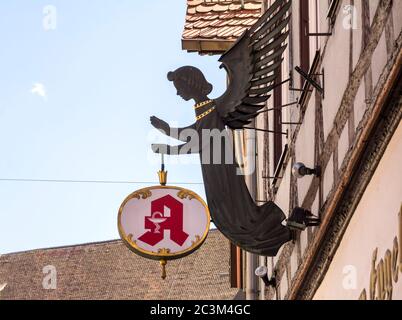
{"points": [[222, 21], [109, 270]]}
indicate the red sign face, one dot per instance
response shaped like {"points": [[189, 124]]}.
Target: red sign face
{"points": [[166, 222], [157, 223]]}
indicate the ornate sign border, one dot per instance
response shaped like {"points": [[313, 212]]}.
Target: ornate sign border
{"points": [[163, 254]]}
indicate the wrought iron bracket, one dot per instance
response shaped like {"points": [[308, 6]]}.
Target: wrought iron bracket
{"points": [[320, 34], [300, 90], [291, 123], [291, 88], [271, 178], [269, 131], [270, 109], [311, 81]]}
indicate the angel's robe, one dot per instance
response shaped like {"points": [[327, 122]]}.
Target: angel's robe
{"points": [[257, 229]]}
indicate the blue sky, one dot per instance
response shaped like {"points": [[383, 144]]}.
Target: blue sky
{"points": [[104, 71]]}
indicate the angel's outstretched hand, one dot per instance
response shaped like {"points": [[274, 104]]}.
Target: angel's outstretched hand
{"points": [[160, 124], [160, 148]]}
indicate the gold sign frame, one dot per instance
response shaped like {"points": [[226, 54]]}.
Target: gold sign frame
{"points": [[163, 254]]}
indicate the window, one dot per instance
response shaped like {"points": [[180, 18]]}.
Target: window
{"points": [[304, 38]]}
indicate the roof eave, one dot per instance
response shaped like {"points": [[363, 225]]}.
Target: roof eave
{"points": [[207, 46]]}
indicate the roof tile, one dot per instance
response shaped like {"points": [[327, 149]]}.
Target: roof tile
{"points": [[219, 23], [234, 6], [238, 32], [208, 33], [201, 24], [225, 32], [194, 2], [193, 18], [250, 21], [235, 22], [219, 20], [252, 6], [244, 14], [191, 11], [227, 15], [188, 26], [192, 33], [220, 8], [204, 8], [210, 16]]}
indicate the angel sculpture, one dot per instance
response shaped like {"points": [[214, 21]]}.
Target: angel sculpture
{"points": [[252, 64]]}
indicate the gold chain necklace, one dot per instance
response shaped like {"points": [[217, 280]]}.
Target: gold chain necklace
{"points": [[202, 104], [202, 115]]}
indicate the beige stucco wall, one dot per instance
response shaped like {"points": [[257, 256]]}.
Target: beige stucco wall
{"points": [[374, 225], [397, 16], [304, 147], [282, 197], [335, 63]]}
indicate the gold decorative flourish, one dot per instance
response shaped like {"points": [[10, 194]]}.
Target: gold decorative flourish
{"points": [[197, 239], [183, 194], [130, 239], [163, 265], [163, 251], [162, 177], [142, 194]]}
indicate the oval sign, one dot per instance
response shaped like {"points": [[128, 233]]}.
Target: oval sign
{"points": [[163, 222]]}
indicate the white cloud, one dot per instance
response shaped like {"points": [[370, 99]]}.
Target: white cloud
{"points": [[40, 90]]}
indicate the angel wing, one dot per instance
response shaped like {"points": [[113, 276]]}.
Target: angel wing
{"points": [[252, 64]]}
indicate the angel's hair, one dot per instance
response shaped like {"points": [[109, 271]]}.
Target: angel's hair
{"points": [[193, 77]]}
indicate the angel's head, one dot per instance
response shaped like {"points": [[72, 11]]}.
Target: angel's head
{"points": [[190, 83]]}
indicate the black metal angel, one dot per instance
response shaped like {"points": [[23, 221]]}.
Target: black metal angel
{"points": [[252, 65]]}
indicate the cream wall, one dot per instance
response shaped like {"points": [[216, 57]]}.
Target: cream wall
{"points": [[304, 147], [397, 16], [335, 63], [374, 225]]}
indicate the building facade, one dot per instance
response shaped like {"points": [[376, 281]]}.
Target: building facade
{"points": [[346, 123]]}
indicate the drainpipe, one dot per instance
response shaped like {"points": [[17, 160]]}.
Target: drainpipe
{"points": [[250, 178]]}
